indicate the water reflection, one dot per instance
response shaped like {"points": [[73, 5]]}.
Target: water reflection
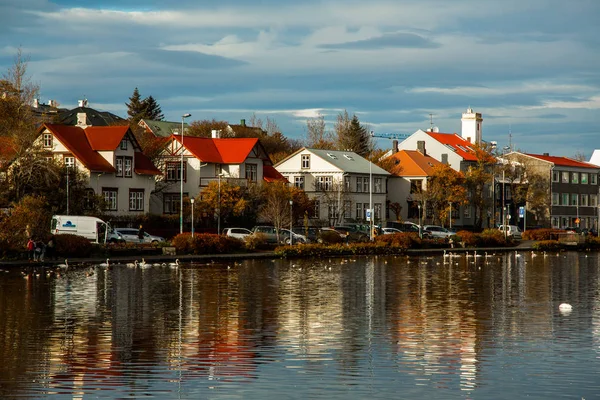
{"points": [[433, 326]]}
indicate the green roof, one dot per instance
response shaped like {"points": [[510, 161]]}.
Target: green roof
{"points": [[164, 128]]}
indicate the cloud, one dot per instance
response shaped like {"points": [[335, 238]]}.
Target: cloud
{"points": [[189, 59], [399, 40]]}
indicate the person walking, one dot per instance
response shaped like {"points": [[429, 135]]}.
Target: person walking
{"points": [[141, 234], [30, 249], [51, 248]]}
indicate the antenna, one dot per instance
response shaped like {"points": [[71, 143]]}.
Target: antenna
{"points": [[430, 122], [509, 137]]}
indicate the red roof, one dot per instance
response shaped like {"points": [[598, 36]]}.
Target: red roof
{"points": [[75, 139], [105, 138], [270, 174], [563, 161], [220, 151], [413, 163], [461, 146], [144, 166]]}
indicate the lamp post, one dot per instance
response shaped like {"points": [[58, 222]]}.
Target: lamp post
{"points": [[67, 189], [420, 232], [219, 206], [371, 196], [192, 202], [184, 116], [450, 216], [291, 220]]}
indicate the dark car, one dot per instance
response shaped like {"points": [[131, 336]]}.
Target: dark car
{"points": [[354, 234], [311, 233]]}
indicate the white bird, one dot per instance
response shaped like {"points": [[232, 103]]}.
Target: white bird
{"points": [[132, 265], [565, 307], [175, 264], [106, 264], [65, 265], [144, 264]]}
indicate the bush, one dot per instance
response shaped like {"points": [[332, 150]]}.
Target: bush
{"points": [[401, 240], [206, 243], [492, 238], [547, 245], [323, 250], [256, 241], [68, 245], [541, 234], [468, 238]]}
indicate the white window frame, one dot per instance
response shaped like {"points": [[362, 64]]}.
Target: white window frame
{"points": [[305, 161], [136, 199], [299, 182], [584, 178], [48, 140], [564, 177], [111, 196], [555, 199], [574, 177], [252, 172]]}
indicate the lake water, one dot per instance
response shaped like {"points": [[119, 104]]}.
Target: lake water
{"points": [[351, 328]]}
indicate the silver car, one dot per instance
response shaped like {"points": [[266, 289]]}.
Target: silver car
{"points": [[131, 235], [238, 233], [438, 231]]}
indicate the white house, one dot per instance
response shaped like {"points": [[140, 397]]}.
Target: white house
{"points": [[339, 182], [239, 161], [110, 157]]}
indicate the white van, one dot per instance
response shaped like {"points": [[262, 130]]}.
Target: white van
{"points": [[92, 228], [511, 230]]}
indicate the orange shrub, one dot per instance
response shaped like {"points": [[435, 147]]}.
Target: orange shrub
{"points": [[468, 238], [541, 234], [206, 243], [402, 240], [491, 238]]}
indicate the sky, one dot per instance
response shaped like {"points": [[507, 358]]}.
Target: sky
{"points": [[529, 66]]}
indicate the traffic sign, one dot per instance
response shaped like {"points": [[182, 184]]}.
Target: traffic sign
{"points": [[577, 220], [368, 214]]}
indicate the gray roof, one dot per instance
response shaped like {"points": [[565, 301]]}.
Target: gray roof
{"points": [[164, 128], [94, 117], [348, 161]]}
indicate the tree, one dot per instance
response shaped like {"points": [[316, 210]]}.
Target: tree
{"points": [[276, 204], [135, 107], [205, 127], [445, 186], [479, 175], [351, 135], [152, 109], [224, 199], [317, 136]]}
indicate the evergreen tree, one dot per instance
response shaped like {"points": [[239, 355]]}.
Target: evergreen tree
{"points": [[135, 107], [152, 109], [352, 135]]}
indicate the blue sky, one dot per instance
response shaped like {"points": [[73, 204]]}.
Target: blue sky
{"points": [[529, 66]]}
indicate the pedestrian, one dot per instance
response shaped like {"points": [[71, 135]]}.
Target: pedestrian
{"points": [[141, 234], [51, 248], [30, 249], [38, 254]]}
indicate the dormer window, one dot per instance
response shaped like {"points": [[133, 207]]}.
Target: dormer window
{"points": [[305, 161], [349, 157], [47, 140], [332, 156]]}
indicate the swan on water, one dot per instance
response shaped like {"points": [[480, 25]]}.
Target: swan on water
{"points": [[175, 264], [105, 264], [132, 265], [565, 307], [65, 265]]}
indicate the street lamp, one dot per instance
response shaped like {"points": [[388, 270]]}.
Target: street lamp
{"points": [[184, 116], [371, 196], [450, 216], [291, 220], [420, 232], [67, 189], [192, 201], [219, 206]]}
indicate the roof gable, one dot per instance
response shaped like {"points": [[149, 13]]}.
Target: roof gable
{"points": [[222, 151], [347, 161], [413, 163], [162, 128], [105, 138]]}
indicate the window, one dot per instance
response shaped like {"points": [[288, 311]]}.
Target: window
{"points": [[593, 200], [574, 199], [555, 222], [299, 182], [173, 171], [415, 186], [366, 184], [359, 184], [565, 199], [565, 177], [124, 144], [317, 209], [119, 166], [136, 199], [332, 211], [467, 212], [555, 199], [555, 176], [593, 179], [359, 210], [584, 178], [110, 198], [377, 211], [88, 199], [47, 140], [171, 202], [252, 172], [347, 183], [69, 161], [584, 200], [305, 161], [377, 184], [574, 177], [364, 211], [324, 183], [347, 209]]}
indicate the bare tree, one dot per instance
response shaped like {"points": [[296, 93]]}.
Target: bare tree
{"points": [[317, 135]]}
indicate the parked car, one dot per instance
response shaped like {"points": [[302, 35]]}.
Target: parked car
{"points": [[284, 236], [511, 231], [238, 233], [311, 233], [410, 227], [131, 235], [354, 234], [322, 231], [270, 233], [438, 231], [391, 231]]}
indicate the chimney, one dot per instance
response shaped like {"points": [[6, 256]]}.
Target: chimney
{"points": [[394, 146], [83, 103], [82, 120], [243, 122], [36, 103], [445, 158], [216, 134], [421, 147], [52, 103], [547, 154]]}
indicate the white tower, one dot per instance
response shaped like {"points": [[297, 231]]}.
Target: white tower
{"points": [[471, 126]]}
